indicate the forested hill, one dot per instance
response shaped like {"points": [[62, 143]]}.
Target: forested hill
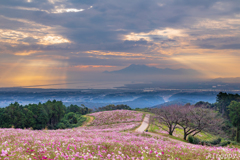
{"points": [[52, 114]]}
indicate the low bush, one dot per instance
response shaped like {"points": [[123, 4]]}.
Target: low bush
{"points": [[216, 141], [224, 143], [71, 120], [193, 140], [190, 139]]}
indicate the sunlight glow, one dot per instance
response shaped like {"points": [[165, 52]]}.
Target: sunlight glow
{"points": [[35, 72], [52, 39], [93, 66], [26, 53], [212, 65]]}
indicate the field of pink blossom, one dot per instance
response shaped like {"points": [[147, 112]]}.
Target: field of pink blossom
{"points": [[117, 116], [101, 142], [113, 127], [91, 144]]}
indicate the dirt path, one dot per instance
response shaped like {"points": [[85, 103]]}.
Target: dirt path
{"points": [[144, 124], [90, 119]]}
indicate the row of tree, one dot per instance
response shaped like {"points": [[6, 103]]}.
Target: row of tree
{"points": [[229, 106], [52, 114], [190, 118], [111, 107], [222, 117]]}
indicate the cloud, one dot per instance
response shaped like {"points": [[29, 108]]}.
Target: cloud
{"points": [[93, 66], [17, 37], [230, 46], [26, 53], [168, 33], [118, 33], [62, 10]]}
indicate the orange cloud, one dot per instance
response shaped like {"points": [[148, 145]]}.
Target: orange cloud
{"points": [[26, 53]]}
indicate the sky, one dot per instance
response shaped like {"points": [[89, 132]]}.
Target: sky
{"points": [[69, 43]]}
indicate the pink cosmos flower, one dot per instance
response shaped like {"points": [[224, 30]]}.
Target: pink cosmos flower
{"points": [[4, 153]]}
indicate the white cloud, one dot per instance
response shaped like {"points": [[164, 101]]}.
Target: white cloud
{"points": [[160, 4], [165, 33], [58, 9], [222, 6], [54, 1], [17, 37], [25, 8], [63, 10], [42, 34]]}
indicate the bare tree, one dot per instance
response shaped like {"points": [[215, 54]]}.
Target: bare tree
{"points": [[196, 119], [190, 118], [166, 117]]}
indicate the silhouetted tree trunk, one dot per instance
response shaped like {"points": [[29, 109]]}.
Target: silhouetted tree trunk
{"points": [[166, 117], [195, 119]]}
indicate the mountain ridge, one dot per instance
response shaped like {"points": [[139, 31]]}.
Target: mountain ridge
{"points": [[143, 69]]}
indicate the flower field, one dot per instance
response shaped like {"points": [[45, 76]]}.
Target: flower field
{"points": [[101, 142], [113, 127], [117, 116]]}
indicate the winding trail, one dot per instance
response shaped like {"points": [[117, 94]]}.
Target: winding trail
{"points": [[144, 124], [91, 118]]}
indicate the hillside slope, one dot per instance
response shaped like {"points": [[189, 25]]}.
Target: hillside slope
{"points": [[105, 141]]}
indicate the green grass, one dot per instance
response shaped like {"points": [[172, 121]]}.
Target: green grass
{"points": [[206, 136], [143, 116], [152, 128], [145, 112], [177, 138]]}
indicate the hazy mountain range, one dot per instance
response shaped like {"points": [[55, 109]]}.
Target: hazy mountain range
{"points": [[143, 69], [227, 80]]}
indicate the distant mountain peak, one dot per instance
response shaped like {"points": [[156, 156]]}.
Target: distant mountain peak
{"points": [[144, 69]]}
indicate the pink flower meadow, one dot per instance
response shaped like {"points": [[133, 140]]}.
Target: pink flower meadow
{"points": [[117, 116], [101, 142]]}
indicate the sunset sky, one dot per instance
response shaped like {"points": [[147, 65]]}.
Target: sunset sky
{"points": [[63, 42]]}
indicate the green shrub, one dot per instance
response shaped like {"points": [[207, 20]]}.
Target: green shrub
{"points": [[216, 141], [196, 140], [193, 140], [71, 120], [190, 139], [233, 142], [225, 143], [61, 125]]}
